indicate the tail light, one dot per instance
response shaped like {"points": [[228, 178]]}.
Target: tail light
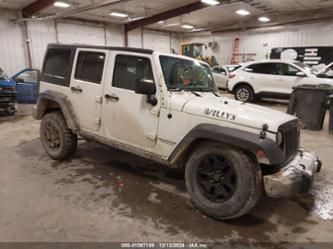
{"points": [[231, 76]]}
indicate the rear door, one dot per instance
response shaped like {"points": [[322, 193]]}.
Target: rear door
{"points": [[27, 85], [86, 87], [260, 77]]}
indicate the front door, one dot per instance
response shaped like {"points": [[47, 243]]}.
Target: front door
{"points": [[86, 87], [127, 117], [27, 85], [287, 79]]}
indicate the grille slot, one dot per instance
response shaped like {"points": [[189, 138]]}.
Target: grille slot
{"points": [[291, 138]]}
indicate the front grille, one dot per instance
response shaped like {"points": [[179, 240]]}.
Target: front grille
{"points": [[7, 92], [291, 138]]}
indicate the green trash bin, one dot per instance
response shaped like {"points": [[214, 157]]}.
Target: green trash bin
{"points": [[309, 103]]}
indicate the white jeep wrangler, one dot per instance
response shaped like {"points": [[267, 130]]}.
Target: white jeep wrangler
{"points": [[166, 108]]}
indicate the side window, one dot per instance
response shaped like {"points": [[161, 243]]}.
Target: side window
{"points": [[29, 76], [220, 70], [285, 69], [262, 68], [90, 66], [129, 69], [58, 66]]}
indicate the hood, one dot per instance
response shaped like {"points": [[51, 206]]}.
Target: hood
{"points": [[7, 82], [229, 110]]}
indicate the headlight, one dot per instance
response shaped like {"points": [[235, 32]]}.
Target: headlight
{"points": [[279, 138]]}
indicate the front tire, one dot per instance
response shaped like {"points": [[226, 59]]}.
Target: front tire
{"points": [[58, 140], [223, 182], [244, 93]]}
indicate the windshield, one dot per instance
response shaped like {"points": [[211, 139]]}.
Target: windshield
{"points": [[3, 76], [306, 68], [328, 71], [182, 74]]}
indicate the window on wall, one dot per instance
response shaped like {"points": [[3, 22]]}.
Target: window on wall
{"points": [[129, 69], [90, 66]]}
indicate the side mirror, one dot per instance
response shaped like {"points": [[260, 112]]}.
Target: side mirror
{"points": [[146, 87], [19, 80], [301, 74]]}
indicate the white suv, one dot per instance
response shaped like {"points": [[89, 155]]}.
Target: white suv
{"points": [[166, 108], [271, 79]]}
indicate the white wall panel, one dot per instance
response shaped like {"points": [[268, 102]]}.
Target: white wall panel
{"points": [[12, 45], [80, 34], [262, 41], [157, 41], [135, 39], [40, 34], [114, 35]]}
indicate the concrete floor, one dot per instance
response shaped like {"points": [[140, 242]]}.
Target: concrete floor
{"points": [[106, 195]]}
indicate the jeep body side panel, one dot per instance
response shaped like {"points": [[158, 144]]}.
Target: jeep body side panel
{"points": [[247, 141], [46, 101]]}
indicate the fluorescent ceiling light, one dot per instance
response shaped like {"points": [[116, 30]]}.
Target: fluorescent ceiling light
{"points": [[243, 12], [187, 26], [211, 2], [61, 4], [136, 18], [172, 24], [160, 22], [264, 19], [118, 14]]}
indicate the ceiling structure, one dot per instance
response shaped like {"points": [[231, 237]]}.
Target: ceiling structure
{"points": [[176, 13]]}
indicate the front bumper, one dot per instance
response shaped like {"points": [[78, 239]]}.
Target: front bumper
{"points": [[296, 177]]}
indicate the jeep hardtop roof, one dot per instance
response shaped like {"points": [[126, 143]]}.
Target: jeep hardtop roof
{"points": [[135, 50]]}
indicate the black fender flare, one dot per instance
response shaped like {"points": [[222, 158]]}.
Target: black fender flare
{"points": [[43, 104], [247, 141]]}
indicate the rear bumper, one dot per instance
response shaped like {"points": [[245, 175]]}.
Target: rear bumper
{"points": [[296, 177]]}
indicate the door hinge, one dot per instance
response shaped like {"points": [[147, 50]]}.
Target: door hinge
{"points": [[97, 121], [155, 113], [99, 99], [152, 137]]}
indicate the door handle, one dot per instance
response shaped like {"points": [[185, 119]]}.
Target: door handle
{"points": [[111, 97], [76, 89]]}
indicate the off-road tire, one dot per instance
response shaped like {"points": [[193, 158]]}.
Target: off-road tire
{"points": [[248, 187], [67, 139], [246, 91]]}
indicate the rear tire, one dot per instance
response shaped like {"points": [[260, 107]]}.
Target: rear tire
{"points": [[244, 93], [223, 182], [58, 140]]}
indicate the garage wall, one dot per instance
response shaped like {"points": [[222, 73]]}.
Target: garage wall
{"points": [[12, 51], [13, 55], [261, 41]]}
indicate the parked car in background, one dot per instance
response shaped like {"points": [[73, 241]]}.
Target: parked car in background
{"points": [[7, 94], [272, 79], [221, 74], [27, 85]]}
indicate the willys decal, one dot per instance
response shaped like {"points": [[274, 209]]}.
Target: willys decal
{"points": [[219, 114]]}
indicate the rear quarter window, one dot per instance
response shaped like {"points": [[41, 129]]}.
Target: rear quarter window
{"points": [[57, 66]]}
